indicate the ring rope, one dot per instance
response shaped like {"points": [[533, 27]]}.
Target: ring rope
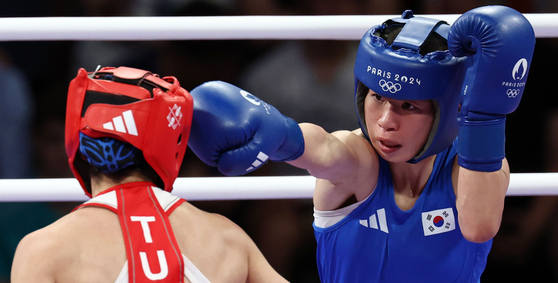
{"points": [[222, 28], [235, 188], [216, 27]]}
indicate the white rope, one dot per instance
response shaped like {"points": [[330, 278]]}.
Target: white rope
{"points": [[235, 188], [222, 28]]}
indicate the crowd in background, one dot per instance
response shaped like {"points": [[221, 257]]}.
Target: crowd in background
{"points": [[306, 80]]}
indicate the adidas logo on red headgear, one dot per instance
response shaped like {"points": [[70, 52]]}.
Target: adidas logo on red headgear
{"points": [[124, 123]]}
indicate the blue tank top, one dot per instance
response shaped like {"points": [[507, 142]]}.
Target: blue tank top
{"points": [[379, 242]]}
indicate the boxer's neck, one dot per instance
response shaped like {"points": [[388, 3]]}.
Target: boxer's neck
{"points": [[101, 182]]}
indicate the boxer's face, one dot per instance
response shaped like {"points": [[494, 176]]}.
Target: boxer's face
{"points": [[398, 129]]}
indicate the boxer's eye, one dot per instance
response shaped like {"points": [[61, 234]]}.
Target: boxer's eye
{"points": [[408, 106]]}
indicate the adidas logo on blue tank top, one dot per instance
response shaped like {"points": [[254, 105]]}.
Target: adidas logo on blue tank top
{"points": [[375, 222]]}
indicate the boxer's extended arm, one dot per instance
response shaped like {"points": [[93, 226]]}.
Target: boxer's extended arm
{"points": [[326, 155], [344, 163], [237, 132]]}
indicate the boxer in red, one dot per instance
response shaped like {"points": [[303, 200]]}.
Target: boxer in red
{"points": [[126, 134]]}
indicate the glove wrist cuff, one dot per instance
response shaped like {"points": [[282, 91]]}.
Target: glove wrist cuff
{"points": [[481, 144], [293, 145]]}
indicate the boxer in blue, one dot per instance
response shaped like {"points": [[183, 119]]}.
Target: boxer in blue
{"points": [[417, 193]]}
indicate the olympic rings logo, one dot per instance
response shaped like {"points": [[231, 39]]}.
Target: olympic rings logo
{"points": [[389, 86], [248, 96], [512, 93]]}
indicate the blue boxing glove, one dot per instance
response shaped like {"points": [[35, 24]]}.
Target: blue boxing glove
{"points": [[499, 43], [237, 132]]}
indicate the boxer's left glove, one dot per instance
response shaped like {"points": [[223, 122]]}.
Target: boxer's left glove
{"points": [[237, 132], [499, 43]]}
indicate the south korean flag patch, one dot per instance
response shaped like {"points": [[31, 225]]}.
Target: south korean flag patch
{"points": [[438, 221]]}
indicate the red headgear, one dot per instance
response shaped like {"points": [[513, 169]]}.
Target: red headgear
{"points": [[134, 106]]}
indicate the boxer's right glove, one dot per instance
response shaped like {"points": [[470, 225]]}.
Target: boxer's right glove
{"points": [[237, 132], [499, 43]]}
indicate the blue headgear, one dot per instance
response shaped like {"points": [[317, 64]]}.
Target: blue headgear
{"points": [[399, 71], [109, 155]]}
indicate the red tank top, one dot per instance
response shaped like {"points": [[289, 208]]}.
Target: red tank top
{"points": [[151, 248]]}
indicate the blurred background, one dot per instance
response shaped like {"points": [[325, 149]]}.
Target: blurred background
{"points": [[310, 81]]}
